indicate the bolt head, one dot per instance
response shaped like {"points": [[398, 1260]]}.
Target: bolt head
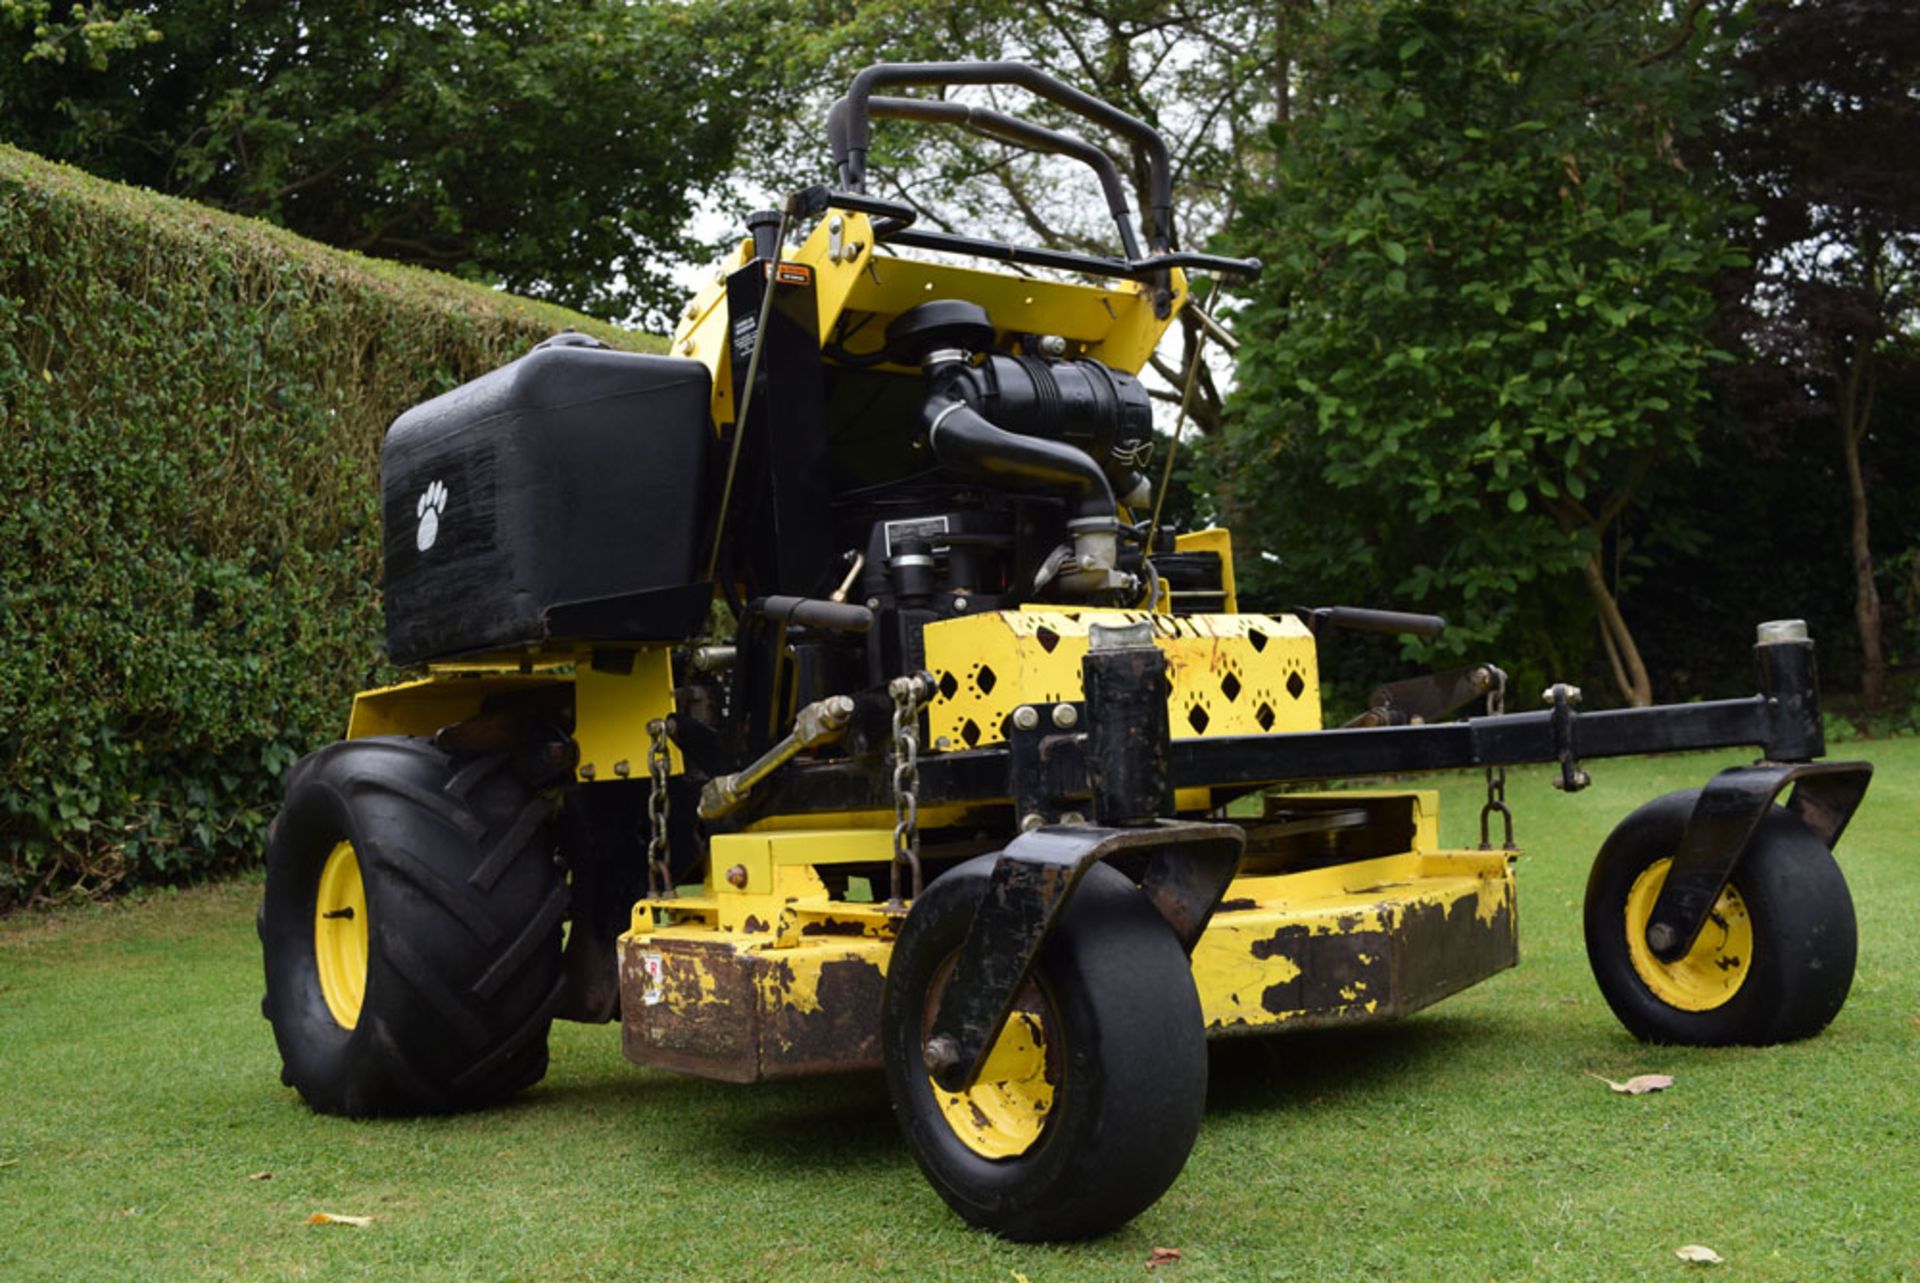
{"points": [[1031, 821], [1065, 716], [737, 876], [1660, 937], [941, 1052], [960, 605], [1026, 717], [621, 768]]}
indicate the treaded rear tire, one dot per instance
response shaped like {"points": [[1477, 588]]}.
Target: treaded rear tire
{"points": [[464, 902]]}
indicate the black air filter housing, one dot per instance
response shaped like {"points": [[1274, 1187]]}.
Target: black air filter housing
{"points": [[562, 496]]}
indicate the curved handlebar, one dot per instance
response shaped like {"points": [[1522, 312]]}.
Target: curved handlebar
{"points": [[947, 112], [848, 123]]}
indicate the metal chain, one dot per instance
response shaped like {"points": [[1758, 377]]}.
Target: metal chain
{"points": [[907, 694], [1496, 775], [659, 869]]}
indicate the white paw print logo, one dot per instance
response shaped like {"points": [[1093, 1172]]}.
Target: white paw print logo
{"points": [[432, 503]]}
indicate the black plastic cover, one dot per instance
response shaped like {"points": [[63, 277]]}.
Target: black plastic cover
{"points": [[564, 495]]}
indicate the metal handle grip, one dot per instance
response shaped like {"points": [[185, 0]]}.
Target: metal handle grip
{"points": [[1363, 620]]}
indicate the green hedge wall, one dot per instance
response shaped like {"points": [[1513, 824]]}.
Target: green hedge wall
{"points": [[191, 409]]}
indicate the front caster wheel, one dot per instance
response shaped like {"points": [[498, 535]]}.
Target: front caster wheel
{"points": [[1774, 961], [1091, 1098], [411, 930]]}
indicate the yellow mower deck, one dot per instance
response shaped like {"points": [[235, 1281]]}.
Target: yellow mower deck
{"points": [[772, 978]]}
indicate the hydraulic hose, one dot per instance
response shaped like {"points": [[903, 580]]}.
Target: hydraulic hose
{"points": [[967, 442]]}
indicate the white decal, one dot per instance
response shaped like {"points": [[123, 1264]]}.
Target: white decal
{"points": [[432, 503]]}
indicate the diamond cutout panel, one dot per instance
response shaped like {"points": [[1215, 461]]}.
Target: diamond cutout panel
{"points": [[1296, 685], [1198, 719], [985, 680], [1230, 687], [1264, 716], [947, 685]]}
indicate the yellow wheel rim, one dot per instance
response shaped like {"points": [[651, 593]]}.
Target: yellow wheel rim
{"points": [[1004, 1113], [340, 935], [1717, 965]]}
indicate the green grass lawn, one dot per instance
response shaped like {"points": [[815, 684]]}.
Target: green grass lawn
{"points": [[139, 1091]]}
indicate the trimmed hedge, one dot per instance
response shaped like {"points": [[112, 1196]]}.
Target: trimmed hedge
{"points": [[191, 409]]}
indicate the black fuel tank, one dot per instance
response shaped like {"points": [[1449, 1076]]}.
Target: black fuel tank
{"points": [[561, 496]]}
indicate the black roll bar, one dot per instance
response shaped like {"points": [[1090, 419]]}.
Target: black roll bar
{"points": [[848, 132]]}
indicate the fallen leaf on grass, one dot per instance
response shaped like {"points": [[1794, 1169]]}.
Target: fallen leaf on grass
{"points": [[9, 1162], [1638, 1085], [261, 1176], [1163, 1256], [334, 1218], [1698, 1255], [1018, 1277]]}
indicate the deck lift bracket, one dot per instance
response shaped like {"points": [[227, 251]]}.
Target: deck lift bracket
{"points": [[1731, 806], [1730, 809]]}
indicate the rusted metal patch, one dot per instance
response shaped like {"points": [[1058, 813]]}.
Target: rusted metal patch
{"points": [[690, 1008], [1442, 949], [841, 1032], [715, 1010], [1335, 970]]}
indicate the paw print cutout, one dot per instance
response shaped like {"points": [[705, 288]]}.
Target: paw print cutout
{"points": [[433, 502]]}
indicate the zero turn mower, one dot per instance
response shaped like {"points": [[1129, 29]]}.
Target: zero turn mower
{"points": [[947, 792]]}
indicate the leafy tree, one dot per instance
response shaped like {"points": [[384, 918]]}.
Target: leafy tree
{"points": [[547, 147], [1480, 342], [1818, 139]]}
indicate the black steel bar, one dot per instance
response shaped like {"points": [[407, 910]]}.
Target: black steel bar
{"points": [[1023, 133], [847, 123], [1125, 678], [984, 775]]}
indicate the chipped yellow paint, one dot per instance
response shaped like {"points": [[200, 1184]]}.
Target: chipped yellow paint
{"points": [[1005, 1112], [794, 982], [1713, 970], [1247, 961], [1229, 674]]}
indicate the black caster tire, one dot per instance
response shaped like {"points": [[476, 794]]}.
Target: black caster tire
{"points": [[1773, 963], [410, 929], [1092, 1097]]}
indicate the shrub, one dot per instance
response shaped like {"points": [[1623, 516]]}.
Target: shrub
{"points": [[191, 409]]}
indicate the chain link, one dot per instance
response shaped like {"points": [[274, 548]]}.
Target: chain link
{"points": [[659, 868], [1496, 775], [907, 694]]}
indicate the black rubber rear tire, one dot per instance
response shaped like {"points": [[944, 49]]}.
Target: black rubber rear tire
{"points": [[1801, 915], [464, 903], [1121, 992]]}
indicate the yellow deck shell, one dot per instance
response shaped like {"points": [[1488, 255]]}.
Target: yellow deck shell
{"points": [[775, 978]]}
